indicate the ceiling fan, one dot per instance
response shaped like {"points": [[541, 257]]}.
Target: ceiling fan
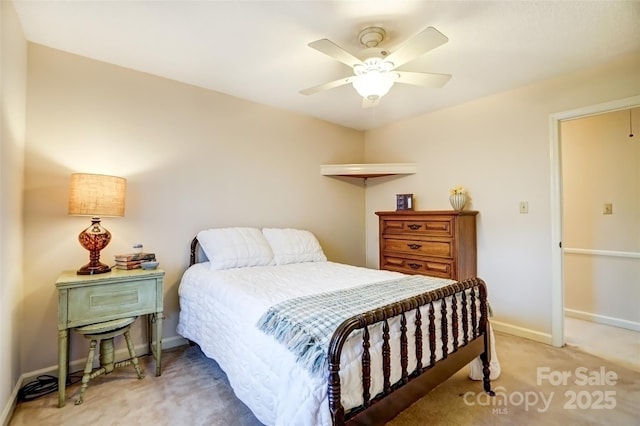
{"points": [[373, 77]]}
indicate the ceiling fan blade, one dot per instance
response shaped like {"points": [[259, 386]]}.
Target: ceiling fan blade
{"points": [[366, 103], [327, 86], [336, 52], [423, 78], [421, 43]]}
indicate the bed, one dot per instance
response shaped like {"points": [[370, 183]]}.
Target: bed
{"points": [[367, 369]]}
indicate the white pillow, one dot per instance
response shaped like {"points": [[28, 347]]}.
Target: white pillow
{"points": [[235, 248], [293, 246]]}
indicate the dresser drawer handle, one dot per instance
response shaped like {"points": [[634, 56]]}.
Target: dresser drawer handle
{"points": [[414, 246], [414, 265], [414, 227]]}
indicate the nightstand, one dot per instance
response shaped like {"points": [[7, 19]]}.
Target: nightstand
{"points": [[89, 299]]}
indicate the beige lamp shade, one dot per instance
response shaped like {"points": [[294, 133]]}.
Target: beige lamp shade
{"points": [[96, 195]]}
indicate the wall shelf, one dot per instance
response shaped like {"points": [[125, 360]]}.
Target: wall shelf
{"points": [[368, 170]]}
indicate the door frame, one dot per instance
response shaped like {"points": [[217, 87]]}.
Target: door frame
{"points": [[557, 282]]}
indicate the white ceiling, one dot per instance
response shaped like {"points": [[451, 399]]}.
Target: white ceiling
{"points": [[257, 50]]}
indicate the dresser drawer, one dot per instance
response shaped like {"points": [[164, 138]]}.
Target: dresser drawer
{"points": [[435, 268], [419, 247], [104, 302], [432, 227]]}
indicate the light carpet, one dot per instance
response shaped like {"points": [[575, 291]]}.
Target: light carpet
{"points": [[539, 384]]}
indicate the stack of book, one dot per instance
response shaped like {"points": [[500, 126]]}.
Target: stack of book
{"points": [[133, 260]]}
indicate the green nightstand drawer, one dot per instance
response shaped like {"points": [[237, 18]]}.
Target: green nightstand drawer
{"points": [[104, 302]]}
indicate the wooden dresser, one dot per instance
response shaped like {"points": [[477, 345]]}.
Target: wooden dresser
{"points": [[436, 243]]}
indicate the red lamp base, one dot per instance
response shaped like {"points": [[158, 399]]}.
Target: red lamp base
{"points": [[94, 239], [90, 269]]}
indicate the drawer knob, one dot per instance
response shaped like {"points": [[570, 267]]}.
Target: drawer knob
{"points": [[414, 265], [414, 226], [414, 246]]}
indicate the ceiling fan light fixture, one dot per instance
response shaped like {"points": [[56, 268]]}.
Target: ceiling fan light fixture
{"points": [[374, 78], [374, 84]]}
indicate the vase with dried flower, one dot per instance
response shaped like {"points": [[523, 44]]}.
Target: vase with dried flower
{"points": [[458, 198]]}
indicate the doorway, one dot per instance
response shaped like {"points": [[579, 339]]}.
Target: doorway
{"points": [[601, 234], [557, 299]]}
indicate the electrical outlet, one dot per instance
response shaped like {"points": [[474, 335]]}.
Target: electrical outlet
{"points": [[607, 208], [524, 207]]}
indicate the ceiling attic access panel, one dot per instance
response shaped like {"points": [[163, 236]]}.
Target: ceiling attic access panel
{"points": [[368, 170]]}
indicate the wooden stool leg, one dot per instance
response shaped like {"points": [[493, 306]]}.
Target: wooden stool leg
{"points": [[87, 372], [132, 354], [107, 355]]}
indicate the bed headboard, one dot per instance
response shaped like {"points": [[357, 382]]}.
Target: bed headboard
{"points": [[196, 253]]}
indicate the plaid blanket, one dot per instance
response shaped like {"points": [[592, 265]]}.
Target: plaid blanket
{"points": [[305, 324]]}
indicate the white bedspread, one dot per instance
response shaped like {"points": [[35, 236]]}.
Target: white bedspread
{"points": [[219, 311]]}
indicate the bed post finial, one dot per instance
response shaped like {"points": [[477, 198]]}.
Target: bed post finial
{"points": [[194, 245]]}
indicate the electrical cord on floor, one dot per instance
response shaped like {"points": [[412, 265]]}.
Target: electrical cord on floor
{"points": [[46, 384], [43, 385]]}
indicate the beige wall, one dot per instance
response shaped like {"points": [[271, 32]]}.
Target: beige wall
{"points": [[498, 148], [193, 159], [13, 71], [602, 252], [197, 159]]}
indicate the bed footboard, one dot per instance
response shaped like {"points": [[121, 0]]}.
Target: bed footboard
{"points": [[415, 383]]}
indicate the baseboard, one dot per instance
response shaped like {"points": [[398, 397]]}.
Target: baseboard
{"points": [[76, 365], [602, 319], [527, 333], [174, 342], [11, 404]]}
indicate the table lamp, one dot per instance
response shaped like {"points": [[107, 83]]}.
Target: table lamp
{"points": [[96, 195]]}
